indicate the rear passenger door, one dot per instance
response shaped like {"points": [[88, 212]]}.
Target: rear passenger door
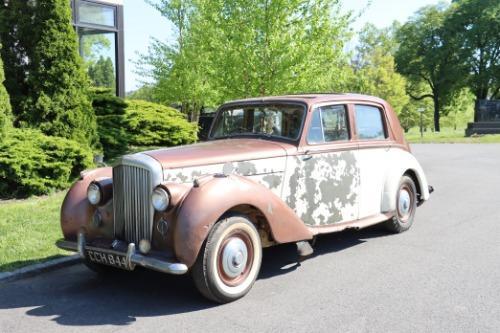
{"points": [[374, 144], [324, 177]]}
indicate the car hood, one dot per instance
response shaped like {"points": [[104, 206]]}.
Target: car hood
{"points": [[218, 151]]}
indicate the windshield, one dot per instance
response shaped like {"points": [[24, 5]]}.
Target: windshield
{"points": [[271, 120]]}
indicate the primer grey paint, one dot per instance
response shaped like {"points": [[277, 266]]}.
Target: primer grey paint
{"points": [[324, 189], [268, 172]]}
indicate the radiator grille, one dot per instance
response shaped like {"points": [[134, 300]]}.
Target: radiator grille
{"points": [[133, 212]]}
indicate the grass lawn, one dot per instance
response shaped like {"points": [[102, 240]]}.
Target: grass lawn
{"points": [[28, 231], [449, 135]]}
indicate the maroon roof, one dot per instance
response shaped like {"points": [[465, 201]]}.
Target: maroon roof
{"points": [[311, 98]]}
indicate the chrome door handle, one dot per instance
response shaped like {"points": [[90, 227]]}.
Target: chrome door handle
{"points": [[306, 157]]}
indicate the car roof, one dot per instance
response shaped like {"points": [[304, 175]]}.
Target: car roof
{"points": [[309, 99]]}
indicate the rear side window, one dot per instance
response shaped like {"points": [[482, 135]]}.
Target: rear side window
{"points": [[328, 124], [369, 123]]}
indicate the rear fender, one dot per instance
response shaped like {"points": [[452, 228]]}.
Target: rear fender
{"points": [[212, 196], [401, 163]]}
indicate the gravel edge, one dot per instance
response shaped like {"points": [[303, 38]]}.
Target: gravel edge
{"points": [[39, 268]]}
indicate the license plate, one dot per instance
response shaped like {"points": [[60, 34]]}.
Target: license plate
{"points": [[111, 259]]}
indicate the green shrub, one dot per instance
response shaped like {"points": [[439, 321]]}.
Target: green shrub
{"points": [[151, 124], [46, 76], [111, 122], [32, 163], [5, 109]]}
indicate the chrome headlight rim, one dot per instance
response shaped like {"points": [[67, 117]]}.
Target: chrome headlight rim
{"points": [[160, 199], [94, 193]]}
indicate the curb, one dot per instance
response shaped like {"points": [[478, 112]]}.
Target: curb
{"points": [[39, 268]]}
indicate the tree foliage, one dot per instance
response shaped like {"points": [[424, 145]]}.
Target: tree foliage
{"points": [[233, 49], [428, 54], [375, 70], [48, 85], [5, 108], [102, 73], [475, 25], [17, 37]]}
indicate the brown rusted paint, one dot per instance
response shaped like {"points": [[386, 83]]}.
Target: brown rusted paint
{"points": [[215, 152], [76, 211], [204, 205]]}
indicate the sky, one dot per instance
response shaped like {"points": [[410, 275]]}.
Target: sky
{"points": [[143, 22]]}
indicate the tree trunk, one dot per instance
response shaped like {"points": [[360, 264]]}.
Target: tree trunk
{"points": [[437, 128]]}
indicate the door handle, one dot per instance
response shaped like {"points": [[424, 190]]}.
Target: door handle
{"points": [[306, 157]]}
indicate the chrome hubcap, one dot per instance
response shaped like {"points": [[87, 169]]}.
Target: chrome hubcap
{"points": [[234, 257], [404, 202]]}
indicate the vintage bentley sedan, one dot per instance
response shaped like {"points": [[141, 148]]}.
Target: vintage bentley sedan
{"points": [[274, 170]]}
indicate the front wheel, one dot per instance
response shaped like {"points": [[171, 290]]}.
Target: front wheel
{"points": [[406, 205], [229, 262]]}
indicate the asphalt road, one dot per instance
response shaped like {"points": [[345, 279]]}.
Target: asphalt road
{"points": [[441, 276]]}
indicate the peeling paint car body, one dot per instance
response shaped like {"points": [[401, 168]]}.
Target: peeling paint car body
{"points": [[275, 169]]}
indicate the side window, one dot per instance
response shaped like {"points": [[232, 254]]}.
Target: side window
{"points": [[369, 123], [329, 123]]}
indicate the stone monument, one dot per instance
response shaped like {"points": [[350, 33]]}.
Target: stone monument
{"points": [[486, 118]]}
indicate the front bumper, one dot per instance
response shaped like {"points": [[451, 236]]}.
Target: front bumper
{"points": [[132, 258]]}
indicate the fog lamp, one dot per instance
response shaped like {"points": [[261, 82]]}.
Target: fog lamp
{"points": [[144, 246]]}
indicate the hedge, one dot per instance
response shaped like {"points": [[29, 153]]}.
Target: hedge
{"points": [[32, 163], [138, 123], [151, 124], [111, 122]]}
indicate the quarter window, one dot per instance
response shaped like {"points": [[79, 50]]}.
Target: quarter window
{"points": [[369, 123], [329, 123]]}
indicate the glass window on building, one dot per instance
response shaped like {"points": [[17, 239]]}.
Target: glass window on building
{"points": [[98, 50], [93, 13], [99, 24]]}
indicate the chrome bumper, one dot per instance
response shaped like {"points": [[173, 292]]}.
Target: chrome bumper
{"points": [[132, 257]]}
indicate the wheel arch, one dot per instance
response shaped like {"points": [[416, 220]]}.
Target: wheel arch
{"points": [[206, 203], [403, 164], [257, 217], [411, 173]]}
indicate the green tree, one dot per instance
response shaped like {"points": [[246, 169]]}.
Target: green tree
{"points": [[460, 110], [427, 54], [58, 102], [375, 70], [17, 36], [46, 77], [102, 73], [475, 24], [5, 108], [233, 49], [144, 93]]}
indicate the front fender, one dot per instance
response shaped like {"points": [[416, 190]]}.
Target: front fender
{"points": [[76, 210], [207, 201], [401, 162]]}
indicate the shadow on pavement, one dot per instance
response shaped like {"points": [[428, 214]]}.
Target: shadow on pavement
{"points": [[76, 296]]}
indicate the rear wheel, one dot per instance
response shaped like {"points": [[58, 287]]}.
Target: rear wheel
{"points": [[406, 205], [229, 261]]}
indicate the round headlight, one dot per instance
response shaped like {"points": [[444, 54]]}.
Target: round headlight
{"points": [[94, 194], [160, 199]]}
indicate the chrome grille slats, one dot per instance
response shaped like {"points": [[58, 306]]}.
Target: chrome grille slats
{"points": [[133, 212]]}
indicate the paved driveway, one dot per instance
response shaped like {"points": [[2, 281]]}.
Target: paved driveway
{"points": [[442, 275]]}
